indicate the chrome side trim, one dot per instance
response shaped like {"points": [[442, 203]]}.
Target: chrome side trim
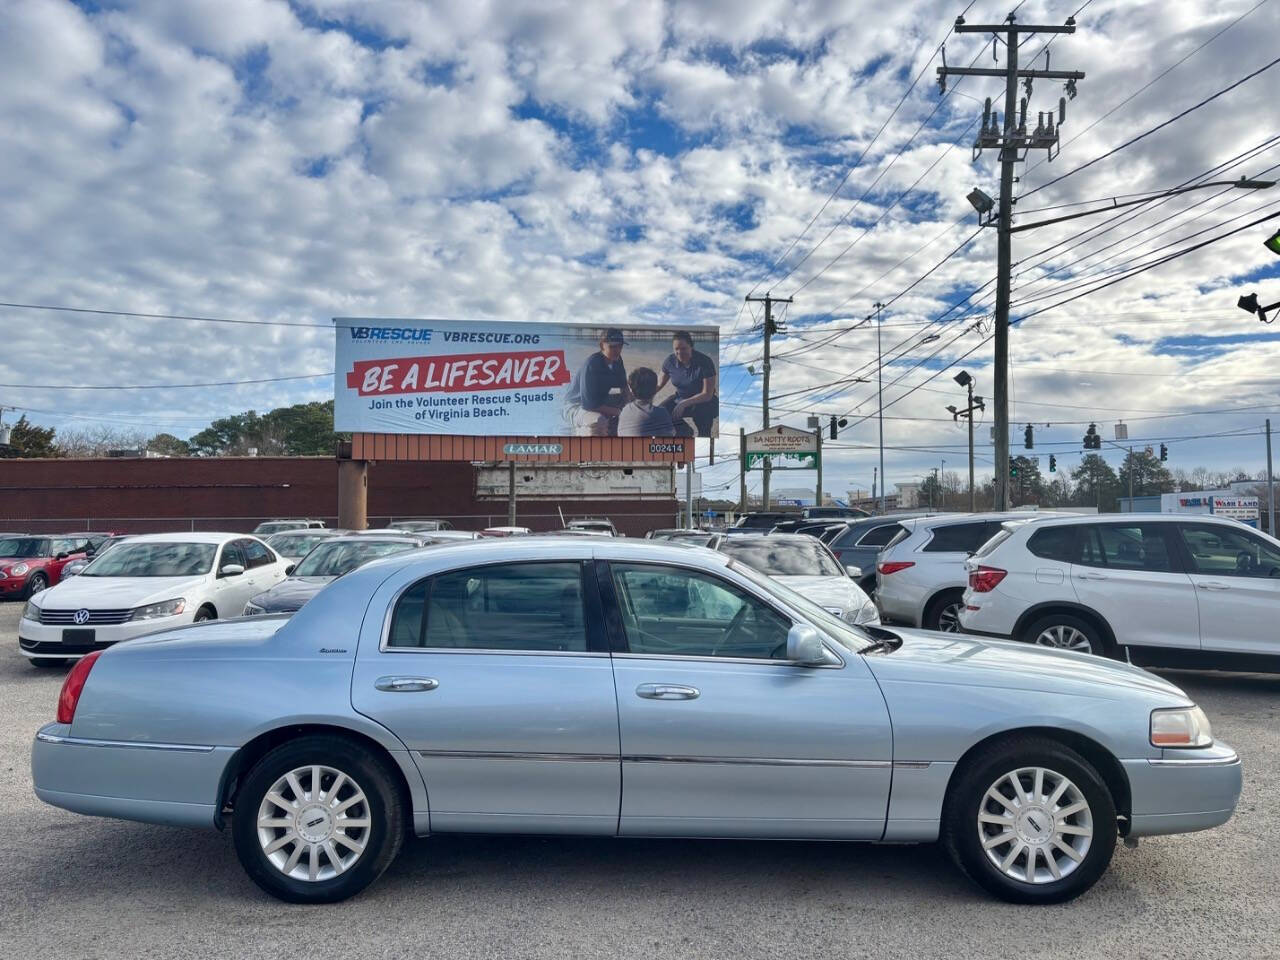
{"points": [[763, 761], [758, 660], [128, 744], [1197, 761], [493, 651], [912, 764], [512, 755]]}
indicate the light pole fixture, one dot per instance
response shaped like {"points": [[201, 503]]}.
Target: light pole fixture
{"points": [[1250, 304], [1242, 184], [981, 203]]}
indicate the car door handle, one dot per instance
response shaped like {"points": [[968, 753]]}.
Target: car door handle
{"points": [[667, 691], [406, 684], [1091, 576], [1214, 585]]}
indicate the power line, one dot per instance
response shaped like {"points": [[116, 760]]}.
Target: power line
{"points": [[160, 386], [164, 316]]}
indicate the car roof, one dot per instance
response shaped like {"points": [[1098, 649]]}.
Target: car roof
{"points": [[1066, 519], [197, 536], [772, 538], [945, 519], [309, 532]]}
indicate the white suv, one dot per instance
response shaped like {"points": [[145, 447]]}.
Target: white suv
{"points": [[1159, 589], [920, 574]]}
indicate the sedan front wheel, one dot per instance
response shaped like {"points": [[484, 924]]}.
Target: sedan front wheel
{"points": [[1031, 821], [317, 820]]}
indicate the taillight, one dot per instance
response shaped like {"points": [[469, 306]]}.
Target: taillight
{"points": [[73, 686], [985, 579], [893, 566]]}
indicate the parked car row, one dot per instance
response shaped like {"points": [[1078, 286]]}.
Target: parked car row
{"points": [[30, 563]]}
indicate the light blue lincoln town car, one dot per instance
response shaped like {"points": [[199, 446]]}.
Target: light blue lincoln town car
{"points": [[622, 688]]}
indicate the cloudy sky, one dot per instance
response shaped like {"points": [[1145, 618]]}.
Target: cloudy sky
{"points": [[633, 160]]}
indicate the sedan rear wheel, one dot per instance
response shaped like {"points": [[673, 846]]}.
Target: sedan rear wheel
{"points": [[317, 820], [1030, 820]]}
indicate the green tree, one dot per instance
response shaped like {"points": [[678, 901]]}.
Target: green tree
{"points": [[28, 440], [1028, 485], [304, 429], [1150, 476], [167, 445], [1096, 484]]}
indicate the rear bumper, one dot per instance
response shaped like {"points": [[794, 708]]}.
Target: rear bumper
{"points": [[167, 783], [1183, 792]]}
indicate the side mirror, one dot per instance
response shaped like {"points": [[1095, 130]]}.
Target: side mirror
{"points": [[804, 645], [62, 556], [288, 571], [854, 571], [231, 570]]}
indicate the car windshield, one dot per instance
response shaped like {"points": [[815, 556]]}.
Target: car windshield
{"points": [[335, 559], [846, 634], [784, 558], [165, 559], [24, 547], [294, 545]]}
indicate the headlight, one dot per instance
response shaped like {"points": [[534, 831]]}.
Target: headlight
{"points": [[867, 613], [165, 608], [18, 569], [1180, 727], [30, 611], [251, 609]]}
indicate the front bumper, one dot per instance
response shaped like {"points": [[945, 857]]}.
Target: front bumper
{"points": [[36, 640], [12, 587], [166, 783], [1183, 791]]}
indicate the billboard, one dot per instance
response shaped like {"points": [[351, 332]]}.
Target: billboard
{"points": [[786, 448], [525, 379]]}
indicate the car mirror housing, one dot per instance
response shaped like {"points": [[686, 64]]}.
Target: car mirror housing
{"points": [[62, 556], [854, 571], [804, 645], [288, 571], [231, 570]]}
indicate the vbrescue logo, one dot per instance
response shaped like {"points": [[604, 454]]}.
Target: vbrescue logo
{"points": [[391, 334]]}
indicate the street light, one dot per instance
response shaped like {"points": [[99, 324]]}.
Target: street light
{"points": [[1249, 304], [1241, 184]]}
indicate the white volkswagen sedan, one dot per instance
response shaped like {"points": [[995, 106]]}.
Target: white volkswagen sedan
{"points": [[146, 583], [806, 565]]}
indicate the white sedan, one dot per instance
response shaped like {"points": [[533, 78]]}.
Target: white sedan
{"points": [[807, 566], [145, 584]]}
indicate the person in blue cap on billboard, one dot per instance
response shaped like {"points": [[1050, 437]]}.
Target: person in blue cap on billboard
{"points": [[598, 391]]}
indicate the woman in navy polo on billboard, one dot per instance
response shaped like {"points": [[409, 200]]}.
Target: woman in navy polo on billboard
{"points": [[693, 374]]}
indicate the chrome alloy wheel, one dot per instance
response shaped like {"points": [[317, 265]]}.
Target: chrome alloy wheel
{"points": [[313, 824], [949, 617], [1064, 638], [1035, 825]]}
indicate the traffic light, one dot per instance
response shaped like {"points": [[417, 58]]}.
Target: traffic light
{"points": [[1013, 469], [1272, 243], [1053, 463], [1164, 452], [1092, 439], [836, 424], [1029, 437]]}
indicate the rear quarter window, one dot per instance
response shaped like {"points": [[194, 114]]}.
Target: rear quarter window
{"points": [[882, 535], [958, 538], [1055, 543]]}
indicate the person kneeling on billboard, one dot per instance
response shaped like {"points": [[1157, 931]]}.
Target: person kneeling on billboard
{"points": [[693, 375], [640, 418], [599, 389]]}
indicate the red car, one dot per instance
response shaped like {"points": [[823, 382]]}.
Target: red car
{"points": [[29, 564]]}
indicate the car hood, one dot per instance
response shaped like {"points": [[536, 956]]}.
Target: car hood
{"points": [[951, 658], [827, 591], [289, 595], [117, 593]]}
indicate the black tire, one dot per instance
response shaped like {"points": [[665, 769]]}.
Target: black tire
{"points": [[383, 805], [38, 583], [205, 613], [1061, 624], [967, 794], [942, 613], [48, 662]]}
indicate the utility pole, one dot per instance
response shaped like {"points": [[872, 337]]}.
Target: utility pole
{"points": [[1010, 140], [1131, 465], [742, 469], [688, 493], [817, 434], [875, 476], [511, 493], [880, 400], [1271, 490], [770, 328]]}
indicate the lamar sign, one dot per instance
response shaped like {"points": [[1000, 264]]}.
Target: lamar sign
{"points": [[786, 448]]}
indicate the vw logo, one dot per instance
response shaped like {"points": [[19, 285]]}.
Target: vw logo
{"points": [[81, 617]]}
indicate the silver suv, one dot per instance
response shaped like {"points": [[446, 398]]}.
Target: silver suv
{"points": [[920, 575]]}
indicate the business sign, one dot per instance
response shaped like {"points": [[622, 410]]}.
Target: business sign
{"points": [[525, 379], [532, 449], [787, 448]]}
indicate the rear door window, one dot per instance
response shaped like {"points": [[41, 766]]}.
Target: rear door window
{"points": [[880, 536]]}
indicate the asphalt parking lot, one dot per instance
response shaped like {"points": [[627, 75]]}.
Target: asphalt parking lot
{"points": [[74, 886]]}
